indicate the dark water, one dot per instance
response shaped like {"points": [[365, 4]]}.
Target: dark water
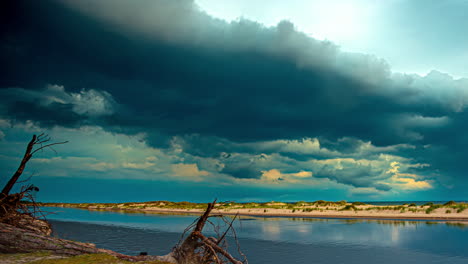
{"points": [[277, 240]]}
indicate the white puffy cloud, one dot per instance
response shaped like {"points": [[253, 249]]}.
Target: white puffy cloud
{"points": [[275, 176], [87, 102], [407, 181], [189, 172]]}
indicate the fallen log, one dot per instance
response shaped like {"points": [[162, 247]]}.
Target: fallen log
{"points": [[196, 248], [19, 240]]}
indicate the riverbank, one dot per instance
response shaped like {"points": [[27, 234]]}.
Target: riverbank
{"points": [[450, 211], [42, 257], [26, 245]]}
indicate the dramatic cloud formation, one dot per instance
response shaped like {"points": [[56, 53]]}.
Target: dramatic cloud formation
{"points": [[161, 91]]}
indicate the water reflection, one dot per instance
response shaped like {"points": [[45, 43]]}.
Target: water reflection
{"points": [[98, 215], [422, 236]]}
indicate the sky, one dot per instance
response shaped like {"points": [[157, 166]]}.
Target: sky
{"points": [[237, 100]]}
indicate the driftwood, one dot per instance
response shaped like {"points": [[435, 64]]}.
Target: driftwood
{"points": [[12, 208], [195, 249], [18, 240], [37, 143]]}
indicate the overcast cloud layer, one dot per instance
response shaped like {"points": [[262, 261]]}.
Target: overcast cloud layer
{"points": [[161, 91]]}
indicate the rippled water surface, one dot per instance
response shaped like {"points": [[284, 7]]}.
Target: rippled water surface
{"points": [[276, 240]]}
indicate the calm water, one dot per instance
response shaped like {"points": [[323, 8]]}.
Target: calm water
{"points": [[276, 240]]}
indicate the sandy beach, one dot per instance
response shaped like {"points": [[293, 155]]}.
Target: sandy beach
{"points": [[438, 215], [404, 212]]}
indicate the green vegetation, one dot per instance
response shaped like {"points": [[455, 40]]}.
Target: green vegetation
{"points": [[358, 203], [47, 258], [450, 203], [134, 205], [461, 207], [386, 208], [328, 203], [348, 207], [432, 207], [90, 258], [23, 257], [303, 206]]}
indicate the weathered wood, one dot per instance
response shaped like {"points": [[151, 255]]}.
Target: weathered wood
{"points": [[18, 240], [31, 237], [42, 142], [218, 249], [199, 249], [27, 156], [202, 221]]}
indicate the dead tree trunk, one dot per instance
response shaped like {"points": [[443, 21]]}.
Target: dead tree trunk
{"points": [[27, 156], [11, 205], [199, 249], [40, 140]]}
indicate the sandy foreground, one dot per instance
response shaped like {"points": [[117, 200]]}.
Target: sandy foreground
{"points": [[362, 211]]}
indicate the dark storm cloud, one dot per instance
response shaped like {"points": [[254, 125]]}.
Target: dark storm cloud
{"points": [[54, 106], [352, 174], [247, 94], [176, 71], [241, 172]]}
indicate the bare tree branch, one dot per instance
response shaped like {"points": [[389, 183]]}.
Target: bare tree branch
{"points": [[199, 249], [30, 151], [48, 146]]}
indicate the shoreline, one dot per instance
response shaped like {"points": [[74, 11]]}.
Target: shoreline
{"points": [[318, 216], [359, 213]]}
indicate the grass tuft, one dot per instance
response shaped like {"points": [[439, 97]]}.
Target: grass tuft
{"points": [[91, 258], [348, 208]]}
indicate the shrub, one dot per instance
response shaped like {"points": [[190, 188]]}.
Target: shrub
{"points": [[348, 207], [358, 203], [342, 202], [461, 208], [450, 203], [300, 203], [432, 208], [448, 211]]}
